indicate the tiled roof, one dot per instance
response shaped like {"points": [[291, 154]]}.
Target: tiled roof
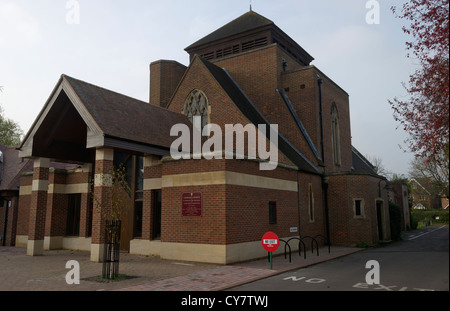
{"points": [[11, 167], [126, 118], [248, 21], [361, 164]]}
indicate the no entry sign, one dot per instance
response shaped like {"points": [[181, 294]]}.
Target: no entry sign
{"points": [[270, 242]]}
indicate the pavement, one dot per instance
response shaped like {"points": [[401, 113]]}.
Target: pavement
{"points": [[19, 272]]}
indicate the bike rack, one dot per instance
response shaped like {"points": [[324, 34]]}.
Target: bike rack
{"points": [[313, 240], [286, 244], [301, 242], [299, 247], [327, 241]]}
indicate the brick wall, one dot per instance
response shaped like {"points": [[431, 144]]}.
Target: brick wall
{"points": [[165, 76], [259, 73], [230, 213], [24, 206], [56, 204], [316, 225], [345, 228], [222, 109]]}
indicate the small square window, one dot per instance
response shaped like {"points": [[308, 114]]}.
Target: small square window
{"points": [[272, 213]]}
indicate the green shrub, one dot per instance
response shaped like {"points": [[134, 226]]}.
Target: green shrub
{"points": [[414, 221], [363, 245], [423, 218]]}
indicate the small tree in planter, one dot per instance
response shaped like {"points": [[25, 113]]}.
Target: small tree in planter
{"points": [[113, 211]]}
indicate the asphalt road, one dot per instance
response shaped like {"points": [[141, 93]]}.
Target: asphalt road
{"points": [[419, 262]]}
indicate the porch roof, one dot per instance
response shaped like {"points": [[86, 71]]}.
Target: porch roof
{"points": [[83, 114]]}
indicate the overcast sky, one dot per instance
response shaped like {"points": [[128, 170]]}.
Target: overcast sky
{"points": [[115, 41]]}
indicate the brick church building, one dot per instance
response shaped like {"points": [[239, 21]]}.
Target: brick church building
{"points": [[247, 72]]}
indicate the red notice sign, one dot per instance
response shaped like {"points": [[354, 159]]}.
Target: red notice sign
{"points": [[270, 242], [192, 204]]}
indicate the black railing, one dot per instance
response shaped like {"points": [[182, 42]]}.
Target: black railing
{"points": [[313, 241], [111, 253], [301, 244], [286, 244]]}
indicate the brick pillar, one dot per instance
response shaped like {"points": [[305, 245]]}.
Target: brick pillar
{"points": [[147, 215], [152, 181], [102, 195], [38, 206], [55, 215], [12, 222], [85, 212]]}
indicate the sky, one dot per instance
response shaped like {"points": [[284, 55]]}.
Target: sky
{"points": [[111, 43]]}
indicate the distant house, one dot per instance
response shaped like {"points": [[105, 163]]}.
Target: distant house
{"points": [[421, 195], [11, 167], [444, 202]]}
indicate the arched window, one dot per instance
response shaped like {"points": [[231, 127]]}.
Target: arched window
{"points": [[197, 104], [335, 137]]}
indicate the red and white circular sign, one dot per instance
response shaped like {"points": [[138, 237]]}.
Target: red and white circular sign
{"points": [[270, 242]]}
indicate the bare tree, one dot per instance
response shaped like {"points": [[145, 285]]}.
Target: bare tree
{"points": [[436, 172], [378, 166]]}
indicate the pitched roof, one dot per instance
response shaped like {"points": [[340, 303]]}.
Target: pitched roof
{"points": [[248, 21], [247, 107], [11, 166], [113, 119], [361, 164], [123, 117]]}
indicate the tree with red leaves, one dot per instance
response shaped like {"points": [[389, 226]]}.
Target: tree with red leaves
{"points": [[425, 114]]}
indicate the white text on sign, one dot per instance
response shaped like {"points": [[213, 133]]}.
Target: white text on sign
{"points": [[270, 242]]}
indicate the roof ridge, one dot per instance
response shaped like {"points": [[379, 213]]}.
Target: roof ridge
{"points": [[138, 101], [247, 21], [100, 87]]}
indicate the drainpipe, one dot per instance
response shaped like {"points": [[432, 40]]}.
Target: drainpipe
{"points": [[298, 203], [324, 179], [6, 223], [325, 194], [320, 82]]}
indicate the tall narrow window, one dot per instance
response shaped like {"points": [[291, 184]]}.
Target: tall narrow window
{"points": [[73, 215], [138, 219], [156, 195], [272, 213], [310, 203], [358, 208], [138, 196], [335, 136], [196, 104]]}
